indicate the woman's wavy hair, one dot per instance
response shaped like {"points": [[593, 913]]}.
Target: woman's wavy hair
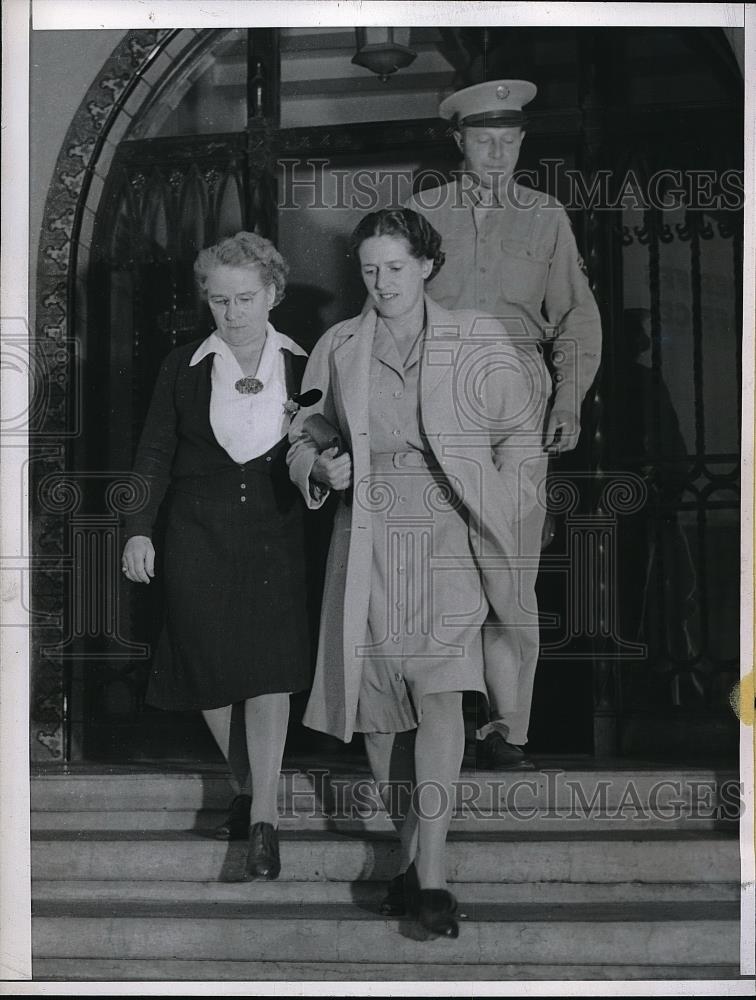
{"points": [[243, 250], [423, 240]]}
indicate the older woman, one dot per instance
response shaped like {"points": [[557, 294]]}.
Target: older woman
{"points": [[438, 417], [215, 443]]}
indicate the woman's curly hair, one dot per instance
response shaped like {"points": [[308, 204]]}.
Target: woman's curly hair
{"points": [[423, 240], [243, 250]]}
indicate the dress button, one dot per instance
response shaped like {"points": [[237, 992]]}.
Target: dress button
{"points": [[243, 486], [268, 459], [243, 499], [396, 638], [402, 499], [559, 377], [395, 433], [557, 357], [398, 395]]}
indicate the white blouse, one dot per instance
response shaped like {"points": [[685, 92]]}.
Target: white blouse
{"points": [[247, 426]]}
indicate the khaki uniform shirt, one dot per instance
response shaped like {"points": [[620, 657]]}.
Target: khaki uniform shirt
{"points": [[519, 262]]}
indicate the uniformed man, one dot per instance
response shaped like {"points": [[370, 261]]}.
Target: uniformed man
{"points": [[511, 253]]}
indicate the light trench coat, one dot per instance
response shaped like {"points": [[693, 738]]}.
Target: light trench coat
{"points": [[482, 406]]}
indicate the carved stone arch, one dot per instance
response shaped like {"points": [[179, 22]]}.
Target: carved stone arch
{"points": [[124, 87]]}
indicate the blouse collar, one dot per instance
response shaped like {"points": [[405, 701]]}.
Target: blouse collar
{"points": [[217, 345]]}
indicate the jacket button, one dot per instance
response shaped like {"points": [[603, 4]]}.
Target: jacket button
{"points": [[243, 499], [242, 486]]}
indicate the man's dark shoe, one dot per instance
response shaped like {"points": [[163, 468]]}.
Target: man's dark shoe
{"points": [[494, 754]]}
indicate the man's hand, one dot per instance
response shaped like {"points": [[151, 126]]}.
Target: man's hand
{"points": [[138, 560], [562, 432]]}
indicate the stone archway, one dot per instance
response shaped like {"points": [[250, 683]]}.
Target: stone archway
{"points": [[126, 82]]}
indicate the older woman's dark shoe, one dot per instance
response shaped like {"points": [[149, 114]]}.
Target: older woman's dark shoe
{"points": [[263, 860], [236, 824], [433, 909], [393, 903]]}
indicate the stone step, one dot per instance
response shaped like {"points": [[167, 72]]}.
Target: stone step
{"points": [[369, 894], [650, 934], [545, 799], [156, 970], [204, 822], [653, 856]]}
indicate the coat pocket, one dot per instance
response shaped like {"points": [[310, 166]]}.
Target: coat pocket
{"points": [[523, 273]]}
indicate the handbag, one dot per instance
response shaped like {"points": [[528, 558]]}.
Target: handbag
{"points": [[324, 436], [323, 433]]}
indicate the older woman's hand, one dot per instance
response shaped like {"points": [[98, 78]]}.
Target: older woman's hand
{"points": [[138, 559], [332, 470]]}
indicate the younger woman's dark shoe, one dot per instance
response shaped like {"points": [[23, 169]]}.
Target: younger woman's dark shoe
{"points": [[236, 824], [263, 861], [393, 903], [433, 909], [437, 911]]}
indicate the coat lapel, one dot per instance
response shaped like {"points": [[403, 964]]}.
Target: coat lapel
{"points": [[348, 609], [352, 361], [442, 341]]}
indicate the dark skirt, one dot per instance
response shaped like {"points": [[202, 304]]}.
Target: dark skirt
{"points": [[235, 591]]}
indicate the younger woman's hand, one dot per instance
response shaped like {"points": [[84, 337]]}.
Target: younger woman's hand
{"points": [[138, 559], [332, 470]]}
